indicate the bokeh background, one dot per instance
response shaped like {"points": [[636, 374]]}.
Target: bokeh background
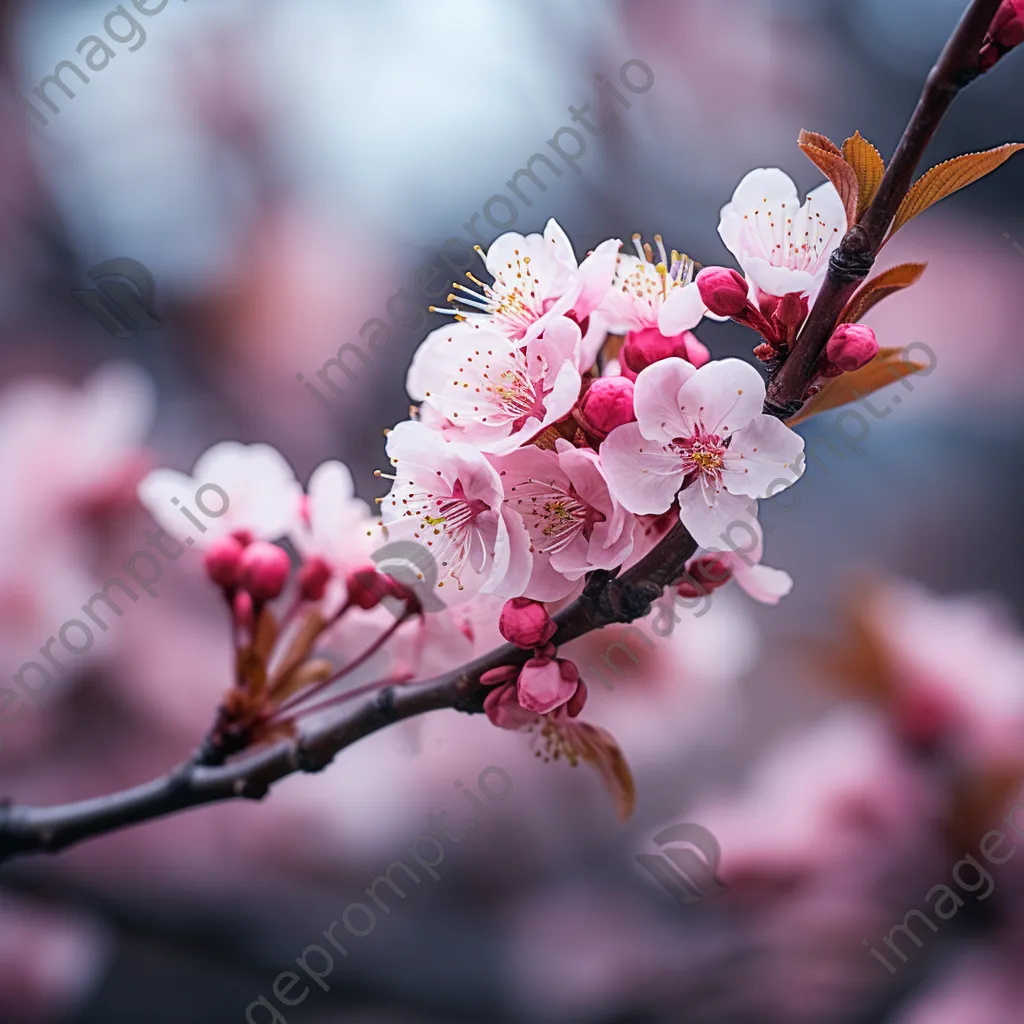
{"points": [[282, 169]]}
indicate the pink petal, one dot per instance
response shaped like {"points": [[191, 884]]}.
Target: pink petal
{"points": [[656, 399], [640, 473], [766, 456]]}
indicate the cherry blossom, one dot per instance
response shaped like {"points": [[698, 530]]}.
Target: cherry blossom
{"points": [[575, 524], [536, 279], [648, 293], [263, 496], [701, 435], [447, 496], [783, 247], [493, 392], [334, 527]]}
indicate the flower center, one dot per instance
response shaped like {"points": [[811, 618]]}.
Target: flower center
{"points": [[703, 454], [555, 516], [797, 239], [513, 299]]}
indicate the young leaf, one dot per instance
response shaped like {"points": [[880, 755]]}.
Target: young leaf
{"points": [[886, 368], [837, 170], [819, 141], [872, 292], [946, 178], [868, 165]]}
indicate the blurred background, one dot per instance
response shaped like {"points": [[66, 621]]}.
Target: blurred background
{"points": [[282, 171]]}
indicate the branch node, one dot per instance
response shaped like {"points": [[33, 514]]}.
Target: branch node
{"points": [[853, 260], [308, 761]]}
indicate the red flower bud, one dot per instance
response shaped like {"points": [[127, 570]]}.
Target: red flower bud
{"points": [[642, 348], [264, 570], [608, 403], [704, 574], [1005, 32], [367, 586], [851, 347], [723, 291], [222, 562], [546, 684], [313, 579], [526, 623]]}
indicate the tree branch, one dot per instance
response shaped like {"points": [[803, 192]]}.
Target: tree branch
{"points": [[605, 601], [955, 69]]}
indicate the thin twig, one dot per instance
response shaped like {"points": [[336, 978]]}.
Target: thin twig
{"points": [[956, 68]]}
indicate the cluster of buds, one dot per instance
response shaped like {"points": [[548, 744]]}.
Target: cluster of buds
{"points": [[544, 683], [778, 319]]}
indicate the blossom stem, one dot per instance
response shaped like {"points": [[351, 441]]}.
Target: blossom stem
{"points": [[377, 644], [957, 67]]}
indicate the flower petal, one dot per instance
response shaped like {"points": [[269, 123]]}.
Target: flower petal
{"points": [[762, 582], [712, 516], [763, 458], [640, 473], [681, 311], [723, 396], [656, 399]]}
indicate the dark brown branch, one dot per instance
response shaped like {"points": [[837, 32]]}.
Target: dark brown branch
{"points": [[956, 68], [607, 600]]}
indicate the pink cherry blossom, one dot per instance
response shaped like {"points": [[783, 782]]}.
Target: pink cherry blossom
{"points": [[334, 528], [447, 497], [264, 497], [536, 279], [782, 246], [701, 435], [760, 582], [648, 293], [575, 524], [493, 392]]}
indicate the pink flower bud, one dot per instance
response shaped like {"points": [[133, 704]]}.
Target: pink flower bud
{"points": [[367, 586], [526, 623], [546, 684], [503, 709], [244, 537], [577, 700], [852, 346], [1005, 32], [313, 579], [723, 291], [608, 403], [222, 562], [264, 570], [642, 348], [500, 675], [704, 574]]}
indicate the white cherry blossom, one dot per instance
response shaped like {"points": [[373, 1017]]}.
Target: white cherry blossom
{"points": [[263, 496], [701, 435], [448, 497], [536, 278], [783, 247], [649, 292], [492, 392]]}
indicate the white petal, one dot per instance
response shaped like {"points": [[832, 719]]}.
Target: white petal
{"points": [[723, 395], [764, 457], [558, 243], [777, 280], [764, 184], [640, 473], [656, 399], [718, 520], [597, 272], [824, 203], [155, 492], [681, 311], [762, 582]]}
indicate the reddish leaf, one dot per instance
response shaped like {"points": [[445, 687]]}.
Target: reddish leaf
{"points": [[839, 172], [872, 292], [868, 165]]}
